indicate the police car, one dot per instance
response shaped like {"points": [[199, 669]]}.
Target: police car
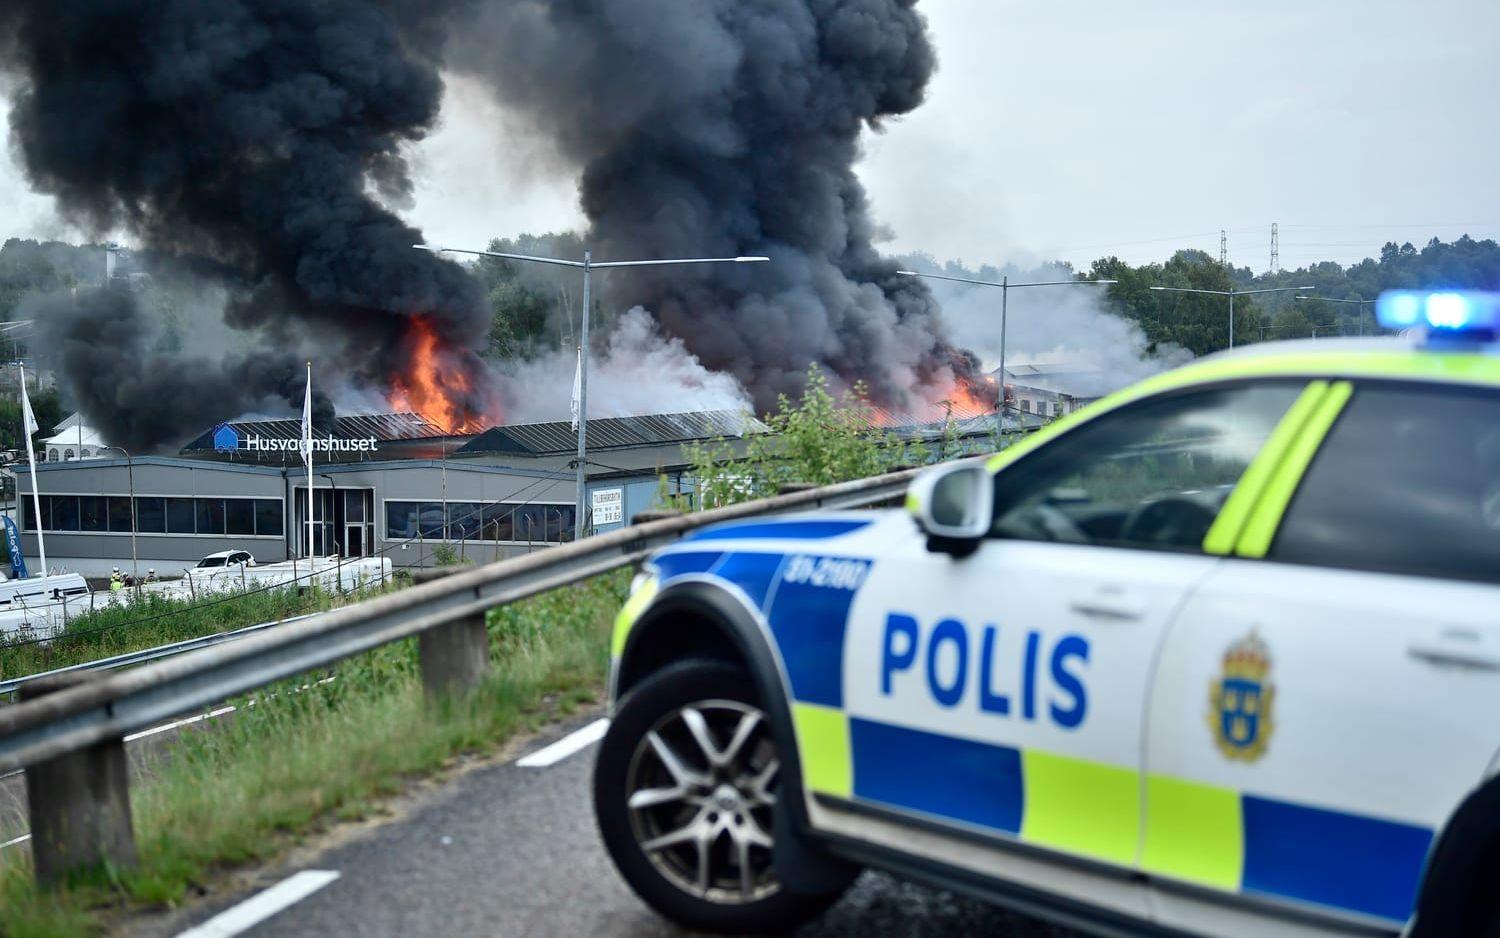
{"points": [[1219, 654]]}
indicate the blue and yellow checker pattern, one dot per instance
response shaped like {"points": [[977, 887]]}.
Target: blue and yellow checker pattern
{"points": [[1212, 836], [1205, 835]]}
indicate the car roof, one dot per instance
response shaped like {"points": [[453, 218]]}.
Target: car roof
{"points": [[1395, 357]]}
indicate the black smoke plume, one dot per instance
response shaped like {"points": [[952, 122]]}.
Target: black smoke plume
{"points": [[241, 137], [729, 127]]}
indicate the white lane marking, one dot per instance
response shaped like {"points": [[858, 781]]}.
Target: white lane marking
{"points": [[174, 725], [16, 840], [569, 744], [258, 908]]}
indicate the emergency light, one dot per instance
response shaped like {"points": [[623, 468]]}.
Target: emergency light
{"points": [[1463, 315]]}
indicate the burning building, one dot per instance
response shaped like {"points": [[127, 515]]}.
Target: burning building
{"points": [[393, 485], [268, 163]]}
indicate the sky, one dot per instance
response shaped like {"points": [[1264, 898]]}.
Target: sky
{"points": [[1075, 130]]}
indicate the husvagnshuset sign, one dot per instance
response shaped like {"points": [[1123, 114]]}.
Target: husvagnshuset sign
{"points": [[228, 440]]}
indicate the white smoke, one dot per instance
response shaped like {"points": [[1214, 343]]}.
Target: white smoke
{"points": [[637, 371], [1068, 327]]}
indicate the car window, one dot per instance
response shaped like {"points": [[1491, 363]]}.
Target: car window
{"points": [[1151, 475], [211, 562], [1408, 481]]}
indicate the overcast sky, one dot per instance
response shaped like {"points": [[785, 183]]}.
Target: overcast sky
{"points": [[1057, 128]]}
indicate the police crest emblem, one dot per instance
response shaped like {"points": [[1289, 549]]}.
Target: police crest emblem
{"points": [[1240, 700]]}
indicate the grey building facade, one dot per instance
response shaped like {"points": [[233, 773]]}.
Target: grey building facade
{"points": [[496, 496]]}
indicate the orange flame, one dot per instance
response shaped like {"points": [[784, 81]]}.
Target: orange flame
{"points": [[438, 383], [958, 401]]}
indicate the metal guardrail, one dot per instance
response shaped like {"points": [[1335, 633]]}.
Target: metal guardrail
{"points": [[107, 709], [144, 655]]}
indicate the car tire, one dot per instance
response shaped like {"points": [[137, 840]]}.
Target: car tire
{"points": [[684, 794]]}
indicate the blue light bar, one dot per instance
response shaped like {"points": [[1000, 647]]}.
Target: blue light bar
{"points": [[1465, 313]]}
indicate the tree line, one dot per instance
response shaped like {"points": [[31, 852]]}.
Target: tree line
{"points": [[534, 307]]}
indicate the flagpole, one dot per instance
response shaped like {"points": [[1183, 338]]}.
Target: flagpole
{"points": [[28, 422], [307, 441]]}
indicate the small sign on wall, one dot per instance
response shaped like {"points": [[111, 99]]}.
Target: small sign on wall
{"points": [[608, 506]]}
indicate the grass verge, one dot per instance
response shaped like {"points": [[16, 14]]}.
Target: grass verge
{"points": [[307, 754], [154, 620]]}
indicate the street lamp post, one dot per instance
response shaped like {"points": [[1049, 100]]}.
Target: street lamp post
{"points": [[1329, 299], [588, 265], [135, 568], [1231, 294], [1005, 287]]}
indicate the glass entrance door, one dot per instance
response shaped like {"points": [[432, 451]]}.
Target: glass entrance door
{"points": [[343, 522]]}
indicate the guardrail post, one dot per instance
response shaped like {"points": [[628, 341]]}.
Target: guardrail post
{"points": [[79, 803], [456, 656]]}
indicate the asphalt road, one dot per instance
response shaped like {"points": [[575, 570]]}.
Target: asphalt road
{"points": [[510, 850]]}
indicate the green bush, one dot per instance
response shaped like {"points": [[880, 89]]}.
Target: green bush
{"points": [[818, 440]]}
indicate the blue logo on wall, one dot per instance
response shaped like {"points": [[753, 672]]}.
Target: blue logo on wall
{"points": [[226, 439]]}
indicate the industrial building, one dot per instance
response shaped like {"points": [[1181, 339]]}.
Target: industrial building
{"points": [[389, 484]]}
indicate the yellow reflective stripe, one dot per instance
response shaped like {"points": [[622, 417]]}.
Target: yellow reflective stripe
{"points": [[823, 747], [1411, 364], [1082, 807], [629, 613], [1227, 526], [1463, 368], [1261, 527], [1195, 832]]}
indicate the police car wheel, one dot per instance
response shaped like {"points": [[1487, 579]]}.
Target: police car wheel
{"points": [[684, 790]]}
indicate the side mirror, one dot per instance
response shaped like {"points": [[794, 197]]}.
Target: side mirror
{"points": [[953, 505]]}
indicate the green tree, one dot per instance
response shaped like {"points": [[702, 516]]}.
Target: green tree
{"points": [[47, 408], [530, 304], [818, 440]]}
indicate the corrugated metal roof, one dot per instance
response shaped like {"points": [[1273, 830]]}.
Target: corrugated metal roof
{"points": [[936, 415], [558, 437], [385, 428]]}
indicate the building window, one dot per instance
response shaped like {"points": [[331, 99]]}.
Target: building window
{"points": [[154, 514], [1025, 406], [93, 513], [268, 519], [464, 520], [151, 515], [180, 516], [119, 513], [239, 516], [28, 513], [53, 455], [210, 512], [64, 512], [67, 454], [489, 522]]}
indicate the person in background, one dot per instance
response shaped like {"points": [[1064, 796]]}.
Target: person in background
{"points": [[116, 580], [150, 575]]}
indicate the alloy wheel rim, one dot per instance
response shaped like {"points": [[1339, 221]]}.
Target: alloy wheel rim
{"points": [[700, 796]]}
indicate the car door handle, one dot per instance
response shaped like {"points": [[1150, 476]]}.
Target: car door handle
{"points": [[1457, 647], [1109, 607]]}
